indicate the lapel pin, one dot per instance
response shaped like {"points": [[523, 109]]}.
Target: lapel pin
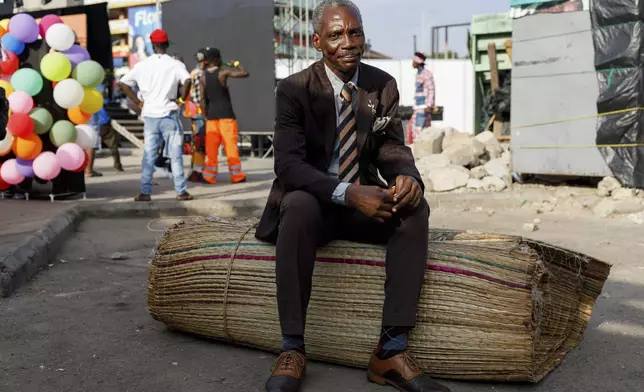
{"points": [[372, 106]]}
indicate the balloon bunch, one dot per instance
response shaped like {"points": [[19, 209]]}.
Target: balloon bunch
{"points": [[74, 77]]}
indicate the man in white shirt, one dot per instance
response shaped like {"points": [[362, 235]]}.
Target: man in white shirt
{"points": [[158, 79]]}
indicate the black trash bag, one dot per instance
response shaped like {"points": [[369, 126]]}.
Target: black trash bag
{"points": [[626, 162], [618, 37], [620, 89], [612, 12], [619, 46], [500, 102]]}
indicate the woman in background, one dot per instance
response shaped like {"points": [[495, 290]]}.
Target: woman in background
{"points": [[138, 51]]}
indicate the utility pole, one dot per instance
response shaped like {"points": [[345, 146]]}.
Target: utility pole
{"points": [[415, 50]]}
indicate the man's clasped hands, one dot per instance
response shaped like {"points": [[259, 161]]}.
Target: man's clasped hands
{"points": [[382, 204]]}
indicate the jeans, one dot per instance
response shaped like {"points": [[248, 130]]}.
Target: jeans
{"points": [[169, 131]]}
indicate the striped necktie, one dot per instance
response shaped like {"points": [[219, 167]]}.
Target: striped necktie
{"points": [[348, 139]]}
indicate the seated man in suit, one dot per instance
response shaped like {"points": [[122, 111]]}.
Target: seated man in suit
{"points": [[336, 128]]}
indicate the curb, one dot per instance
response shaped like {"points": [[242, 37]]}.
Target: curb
{"points": [[36, 251]]}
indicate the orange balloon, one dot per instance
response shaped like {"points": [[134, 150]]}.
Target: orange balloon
{"points": [[28, 147], [77, 116], [2, 31]]}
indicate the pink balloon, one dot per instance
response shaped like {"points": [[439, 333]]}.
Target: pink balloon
{"points": [[20, 102], [46, 166], [46, 22], [10, 174], [70, 156]]}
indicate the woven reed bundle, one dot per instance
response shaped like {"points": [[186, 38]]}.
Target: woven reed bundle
{"points": [[492, 308]]}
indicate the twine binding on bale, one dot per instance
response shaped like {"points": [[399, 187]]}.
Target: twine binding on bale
{"points": [[493, 307], [230, 270]]}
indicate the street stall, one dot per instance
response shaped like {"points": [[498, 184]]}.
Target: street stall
{"points": [[50, 81]]}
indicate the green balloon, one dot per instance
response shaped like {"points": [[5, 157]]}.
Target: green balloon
{"points": [[62, 132], [55, 66], [89, 73], [27, 80], [42, 120]]}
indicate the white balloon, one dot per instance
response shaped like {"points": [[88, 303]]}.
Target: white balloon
{"points": [[60, 37], [86, 136], [68, 93], [5, 144]]}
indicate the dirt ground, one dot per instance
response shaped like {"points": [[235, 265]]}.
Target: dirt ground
{"points": [[82, 324]]}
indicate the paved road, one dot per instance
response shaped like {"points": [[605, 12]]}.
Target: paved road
{"points": [[82, 325]]}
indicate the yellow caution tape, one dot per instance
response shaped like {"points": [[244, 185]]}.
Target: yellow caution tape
{"points": [[578, 147], [570, 119]]}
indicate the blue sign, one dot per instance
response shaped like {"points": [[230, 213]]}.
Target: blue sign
{"points": [[143, 21]]}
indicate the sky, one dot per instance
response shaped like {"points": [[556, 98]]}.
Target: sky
{"points": [[391, 24]]}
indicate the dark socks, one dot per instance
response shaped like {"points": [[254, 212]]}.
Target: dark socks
{"points": [[293, 343], [393, 341]]}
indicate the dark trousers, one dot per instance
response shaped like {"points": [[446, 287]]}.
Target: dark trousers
{"points": [[306, 224], [109, 137]]}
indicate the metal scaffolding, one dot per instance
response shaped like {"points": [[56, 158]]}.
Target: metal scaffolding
{"points": [[293, 31]]}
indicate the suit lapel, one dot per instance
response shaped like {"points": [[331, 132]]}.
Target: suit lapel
{"points": [[366, 100], [323, 106]]}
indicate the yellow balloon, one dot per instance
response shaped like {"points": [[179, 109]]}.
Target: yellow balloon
{"points": [[7, 87], [92, 101], [55, 67], [4, 23]]}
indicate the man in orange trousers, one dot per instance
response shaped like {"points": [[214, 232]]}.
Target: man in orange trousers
{"points": [[221, 124]]}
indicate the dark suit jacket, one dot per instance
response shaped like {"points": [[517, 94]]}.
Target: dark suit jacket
{"points": [[305, 132]]}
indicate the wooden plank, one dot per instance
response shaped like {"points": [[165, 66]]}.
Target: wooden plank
{"points": [[127, 134], [508, 48], [494, 70]]}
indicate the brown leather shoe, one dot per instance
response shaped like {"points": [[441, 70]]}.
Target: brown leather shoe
{"points": [[185, 196], [402, 372], [287, 373], [142, 197]]}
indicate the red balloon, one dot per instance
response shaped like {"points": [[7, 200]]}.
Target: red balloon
{"points": [[20, 125], [3, 185], [10, 65], [84, 165]]}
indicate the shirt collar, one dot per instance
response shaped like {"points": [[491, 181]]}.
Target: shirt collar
{"points": [[336, 82]]}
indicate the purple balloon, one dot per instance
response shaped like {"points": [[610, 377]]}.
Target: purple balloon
{"points": [[24, 28], [25, 167], [76, 55]]}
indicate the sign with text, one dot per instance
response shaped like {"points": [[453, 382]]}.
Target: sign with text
{"points": [[143, 21]]}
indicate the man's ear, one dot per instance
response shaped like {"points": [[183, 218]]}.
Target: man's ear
{"points": [[316, 42]]}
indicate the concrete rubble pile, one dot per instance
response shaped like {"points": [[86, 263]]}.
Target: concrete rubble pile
{"points": [[617, 200], [450, 160]]}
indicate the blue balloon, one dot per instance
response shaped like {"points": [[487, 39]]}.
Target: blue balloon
{"points": [[12, 44]]}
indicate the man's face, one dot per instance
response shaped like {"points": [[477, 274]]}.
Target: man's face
{"points": [[341, 39], [415, 64]]}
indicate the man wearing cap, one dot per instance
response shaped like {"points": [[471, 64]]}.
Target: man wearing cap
{"points": [[423, 100], [158, 78]]}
